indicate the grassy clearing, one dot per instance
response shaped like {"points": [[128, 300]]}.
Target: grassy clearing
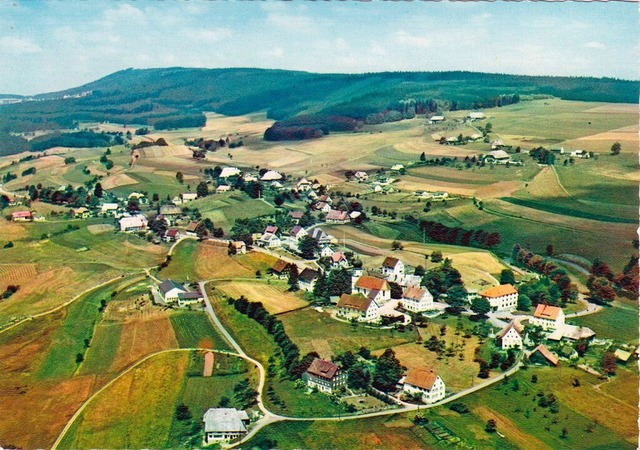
{"points": [[104, 346], [275, 297], [136, 411], [315, 331], [183, 261], [616, 322], [567, 208], [194, 330]]}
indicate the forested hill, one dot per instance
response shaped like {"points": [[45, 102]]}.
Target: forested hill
{"points": [[173, 97]]}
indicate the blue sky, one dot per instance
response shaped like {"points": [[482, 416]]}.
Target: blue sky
{"points": [[52, 45]]}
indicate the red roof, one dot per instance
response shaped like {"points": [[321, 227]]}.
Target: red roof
{"points": [[296, 214], [192, 226], [323, 369], [355, 302], [413, 293], [499, 291], [272, 229], [372, 283], [334, 214], [280, 266], [390, 262], [544, 351], [422, 378], [337, 257], [172, 232], [21, 215], [547, 312]]}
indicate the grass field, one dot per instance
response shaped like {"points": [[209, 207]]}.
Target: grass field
{"points": [[104, 347], [618, 322], [194, 330], [275, 297], [136, 411]]}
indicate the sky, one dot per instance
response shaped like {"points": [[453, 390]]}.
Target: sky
{"points": [[53, 45]]}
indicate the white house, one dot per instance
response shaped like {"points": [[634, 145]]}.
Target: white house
{"points": [[133, 223], [303, 185], [397, 167], [376, 289], [326, 252], [392, 269], [358, 307], [189, 298], [502, 298], [426, 383], [361, 175], [307, 279], [170, 290], [436, 118], [320, 236], [339, 260], [548, 317], [297, 233], [269, 240], [417, 299], [510, 336], [223, 188], [322, 207], [271, 175], [335, 216], [229, 172], [188, 196], [476, 115], [109, 208], [580, 154], [224, 424], [324, 376]]}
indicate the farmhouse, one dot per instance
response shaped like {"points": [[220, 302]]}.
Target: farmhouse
{"points": [[376, 289], [307, 279], [133, 223], [497, 144], [223, 188], [22, 216], [501, 298], [188, 196], [324, 376], [435, 119], [189, 298], [303, 185], [240, 247], [543, 356], [296, 216], [326, 252], [497, 157], [476, 136], [170, 289], [191, 229], [397, 167], [392, 268], [172, 235], [322, 207], [361, 176], [424, 382], [81, 213], [417, 299], [548, 317], [339, 260], [358, 307], [297, 233], [276, 185], [269, 240], [580, 154], [281, 268], [271, 175], [510, 336], [109, 208], [229, 172], [224, 424], [326, 199], [335, 216], [320, 236], [476, 115]]}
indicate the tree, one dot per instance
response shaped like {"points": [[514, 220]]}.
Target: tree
{"points": [[183, 412], [507, 277], [419, 271], [601, 290], [339, 282], [180, 177], [387, 371], [202, 189], [549, 250], [608, 363], [491, 426], [201, 231], [599, 268], [524, 303], [480, 306], [79, 358], [97, 191], [293, 278], [358, 376], [423, 157], [396, 290], [308, 247], [616, 148], [321, 289], [457, 296], [436, 256], [396, 245], [565, 433]]}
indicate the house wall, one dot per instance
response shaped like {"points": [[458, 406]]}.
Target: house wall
{"points": [[504, 303], [436, 393], [511, 339]]}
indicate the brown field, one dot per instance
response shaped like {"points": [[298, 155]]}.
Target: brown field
{"points": [[114, 181], [275, 298], [614, 108], [499, 189], [10, 231], [212, 261], [411, 183], [508, 428], [220, 126], [16, 274], [621, 134], [163, 152], [545, 184], [142, 337], [149, 248]]}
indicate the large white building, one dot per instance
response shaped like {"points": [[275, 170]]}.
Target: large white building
{"points": [[373, 288], [426, 383], [510, 336], [502, 298], [224, 424], [358, 307], [133, 223], [417, 299], [548, 317], [392, 269]]}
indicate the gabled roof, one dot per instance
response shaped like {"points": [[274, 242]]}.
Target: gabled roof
{"points": [[190, 295], [622, 355], [168, 284], [308, 275], [546, 353], [547, 312], [513, 324], [271, 175], [499, 291], [422, 378], [21, 214], [280, 266], [356, 302], [229, 172], [296, 230], [169, 210], [499, 154], [372, 283], [414, 293], [337, 257], [271, 229], [323, 369], [192, 226], [390, 262], [334, 214], [224, 420], [296, 214], [172, 232]]}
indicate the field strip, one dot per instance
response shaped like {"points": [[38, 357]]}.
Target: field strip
{"points": [[120, 375], [59, 307], [558, 180]]}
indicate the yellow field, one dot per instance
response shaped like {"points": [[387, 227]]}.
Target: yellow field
{"points": [[136, 411], [275, 298], [118, 180], [16, 274], [213, 261]]}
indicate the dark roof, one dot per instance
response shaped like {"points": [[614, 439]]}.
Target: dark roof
{"points": [[190, 295], [308, 275], [296, 214], [192, 226], [167, 285], [323, 369], [506, 329], [390, 262], [356, 302], [172, 232], [281, 266]]}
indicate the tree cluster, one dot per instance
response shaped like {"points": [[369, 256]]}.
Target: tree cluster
{"points": [[438, 232]]}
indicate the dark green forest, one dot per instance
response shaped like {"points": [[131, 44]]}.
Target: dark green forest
{"points": [[176, 97]]}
